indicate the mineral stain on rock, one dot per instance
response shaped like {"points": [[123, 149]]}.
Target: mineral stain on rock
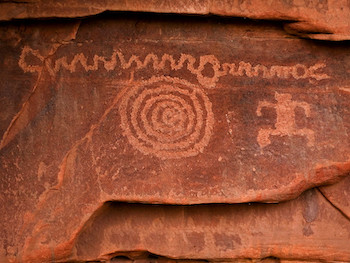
{"points": [[226, 242], [196, 239], [307, 230], [311, 209], [310, 212]]}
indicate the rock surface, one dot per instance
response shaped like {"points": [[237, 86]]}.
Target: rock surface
{"points": [[339, 195], [298, 229], [316, 19], [147, 109]]}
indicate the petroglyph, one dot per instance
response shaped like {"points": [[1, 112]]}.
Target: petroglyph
{"points": [[285, 124], [117, 60], [27, 51], [167, 117]]}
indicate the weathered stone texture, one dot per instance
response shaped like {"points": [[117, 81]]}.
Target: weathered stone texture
{"points": [[339, 195], [179, 111], [299, 229], [317, 19]]}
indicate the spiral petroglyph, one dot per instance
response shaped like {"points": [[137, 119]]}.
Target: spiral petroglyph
{"points": [[167, 117]]}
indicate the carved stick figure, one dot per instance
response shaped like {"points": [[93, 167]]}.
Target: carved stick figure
{"points": [[285, 124]]}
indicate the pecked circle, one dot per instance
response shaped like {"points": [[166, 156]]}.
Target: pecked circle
{"points": [[187, 111], [166, 117], [168, 121]]}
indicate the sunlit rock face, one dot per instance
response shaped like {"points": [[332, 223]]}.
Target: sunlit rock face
{"points": [[148, 137]]}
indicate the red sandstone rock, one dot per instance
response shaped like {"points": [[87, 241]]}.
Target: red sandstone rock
{"points": [[151, 259], [299, 229], [320, 19], [145, 110], [339, 195], [237, 123]]}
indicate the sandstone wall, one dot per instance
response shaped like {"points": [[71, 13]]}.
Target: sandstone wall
{"points": [[147, 137]]}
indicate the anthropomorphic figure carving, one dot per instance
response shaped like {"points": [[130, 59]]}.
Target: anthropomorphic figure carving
{"points": [[285, 123]]}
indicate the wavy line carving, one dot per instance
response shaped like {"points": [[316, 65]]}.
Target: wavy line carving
{"points": [[297, 71]]}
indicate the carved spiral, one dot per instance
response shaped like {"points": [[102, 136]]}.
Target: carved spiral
{"points": [[166, 117]]}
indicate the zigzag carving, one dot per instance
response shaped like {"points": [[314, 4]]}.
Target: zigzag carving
{"points": [[297, 71]]}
